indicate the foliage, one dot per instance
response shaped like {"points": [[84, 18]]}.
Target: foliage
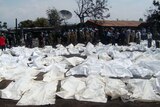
{"points": [[154, 14], [53, 17], [94, 9], [153, 17], [4, 25], [140, 19], [41, 22], [26, 24], [53, 20]]}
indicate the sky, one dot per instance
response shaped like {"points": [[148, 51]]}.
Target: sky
{"points": [[31, 9]]}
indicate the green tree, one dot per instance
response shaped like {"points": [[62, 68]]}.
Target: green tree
{"points": [[4, 25], [41, 22], [26, 24], [154, 14], [140, 19], [53, 17], [153, 18]]}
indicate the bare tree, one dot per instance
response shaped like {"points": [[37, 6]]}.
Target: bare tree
{"points": [[95, 9], [83, 8]]}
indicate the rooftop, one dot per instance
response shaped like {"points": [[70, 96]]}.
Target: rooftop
{"points": [[108, 23]]}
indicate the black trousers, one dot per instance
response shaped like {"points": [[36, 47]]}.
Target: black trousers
{"points": [[3, 47], [149, 43]]}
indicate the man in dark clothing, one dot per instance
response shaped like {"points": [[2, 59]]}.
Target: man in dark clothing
{"points": [[113, 37], [10, 39], [29, 40], [122, 37]]}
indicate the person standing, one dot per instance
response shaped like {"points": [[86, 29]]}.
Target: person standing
{"points": [[87, 36], [113, 36], [75, 38], [133, 34], [138, 37], [117, 34], [109, 36], [149, 37], [29, 40], [122, 37], [10, 38], [41, 40], [81, 36], [128, 34], [2, 42], [46, 37]]}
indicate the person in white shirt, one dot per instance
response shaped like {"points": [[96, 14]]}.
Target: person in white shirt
{"points": [[149, 37], [133, 34], [138, 37]]}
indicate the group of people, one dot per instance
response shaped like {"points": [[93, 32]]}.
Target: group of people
{"points": [[44, 38], [67, 37], [82, 35], [123, 36], [106, 36]]}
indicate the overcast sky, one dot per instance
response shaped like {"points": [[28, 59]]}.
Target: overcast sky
{"points": [[31, 9]]}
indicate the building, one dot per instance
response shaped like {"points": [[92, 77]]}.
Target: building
{"points": [[115, 24]]}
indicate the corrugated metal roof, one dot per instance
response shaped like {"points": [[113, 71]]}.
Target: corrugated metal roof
{"points": [[108, 23]]}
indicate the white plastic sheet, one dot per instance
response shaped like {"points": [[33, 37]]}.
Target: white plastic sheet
{"points": [[94, 90], [16, 89], [74, 61], [90, 49], [17, 72], [72, 50], [154, 66], [83, 89], [54, 72], [140, 71], [70, 86], [115, 88], [142, 90], [41, 93], [60, 50]]}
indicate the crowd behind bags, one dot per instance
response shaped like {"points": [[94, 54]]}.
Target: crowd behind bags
{"points": [[120, 36]]}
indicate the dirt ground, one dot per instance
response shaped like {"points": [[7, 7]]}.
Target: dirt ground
{"points": [[73, 103]]}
